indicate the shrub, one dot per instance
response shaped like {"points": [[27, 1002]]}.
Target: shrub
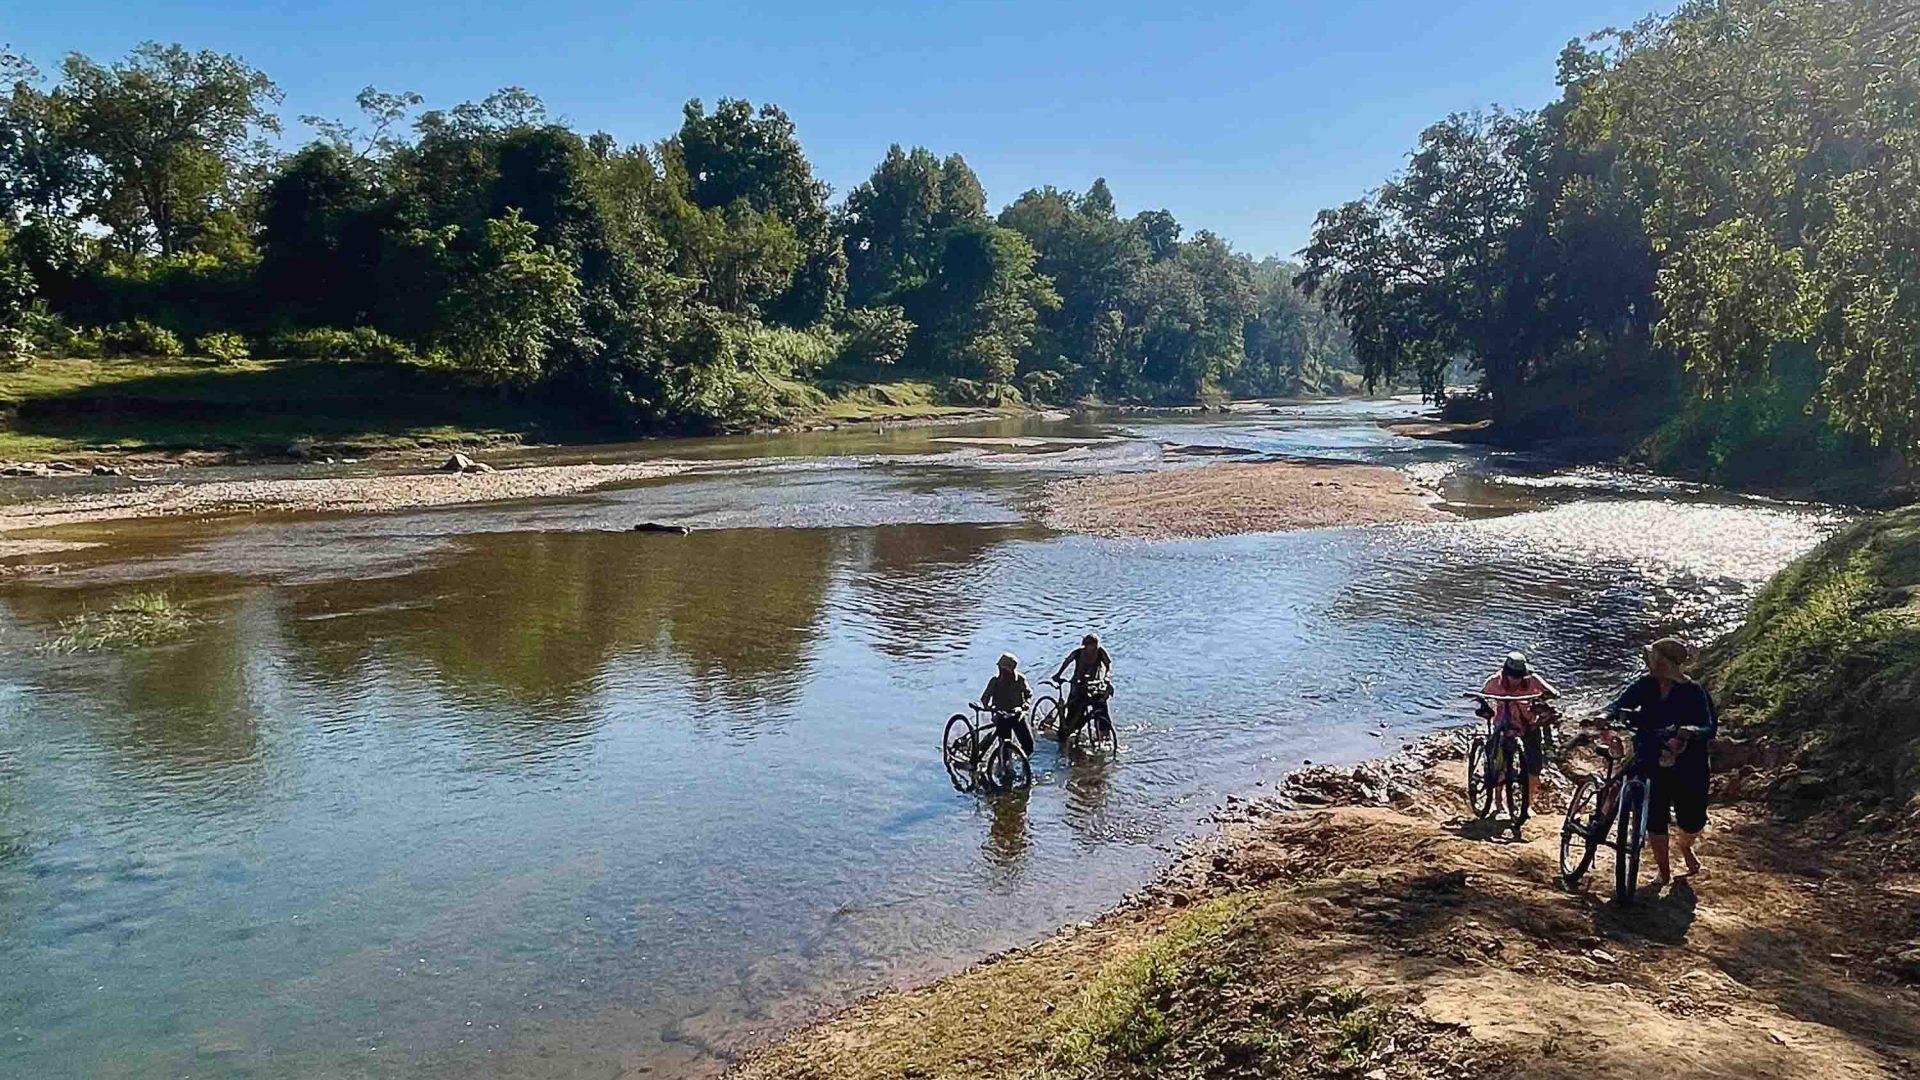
{"points": [[141, 338], [782, 351], [1043, 385], [320, 343], [375, 347], [331, 343], [226, 347], [876, 336]]}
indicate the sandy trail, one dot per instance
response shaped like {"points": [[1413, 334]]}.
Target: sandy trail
{"points": [[1473, 960], [1222, 500], [363, 494]]}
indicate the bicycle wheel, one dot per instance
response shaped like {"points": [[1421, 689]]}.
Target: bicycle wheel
{"points": [[1580, 833], [957, 745], [1479, 778], [1007, 766], [1513, 764], [1626, 854], [1046, 715], [1105, 735]]}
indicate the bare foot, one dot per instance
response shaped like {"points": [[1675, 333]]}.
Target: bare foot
{"points": [[1663, 881]]}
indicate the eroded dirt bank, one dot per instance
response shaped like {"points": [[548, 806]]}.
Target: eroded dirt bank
{"points": [[1222, 500], [1366, 926]]}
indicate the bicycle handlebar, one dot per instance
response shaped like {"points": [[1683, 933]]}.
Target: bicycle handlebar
{"points": [[1503, 697]]}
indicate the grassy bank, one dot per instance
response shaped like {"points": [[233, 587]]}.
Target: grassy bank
{"points": [[1826, 674], [67, 408]]}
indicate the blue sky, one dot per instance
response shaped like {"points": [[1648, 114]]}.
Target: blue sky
{"points": [[1244, 118]]}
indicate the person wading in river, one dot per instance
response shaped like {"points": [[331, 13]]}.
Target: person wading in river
{"points": [[1674, 723], [1090, 664]]}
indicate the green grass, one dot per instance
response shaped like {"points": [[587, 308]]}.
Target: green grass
{"points": [[55, 407], [140, 619], [59, 407], [1829, 661], [1123, 1014]]}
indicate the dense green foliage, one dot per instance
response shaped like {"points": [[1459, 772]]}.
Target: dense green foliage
{"points": [[682, 284], [1829, 662], [1721, 193]]}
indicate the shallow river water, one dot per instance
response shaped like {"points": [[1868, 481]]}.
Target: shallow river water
{"points": [[509, 791]]}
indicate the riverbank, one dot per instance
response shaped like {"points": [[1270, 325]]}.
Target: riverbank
{"points": [[1363, 923], [147, 412], [334, 494], [1228, 499]]}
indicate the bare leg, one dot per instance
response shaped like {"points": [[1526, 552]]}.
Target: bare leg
{"points": [[1533, 791], [1686, 851], [1659, 844]]}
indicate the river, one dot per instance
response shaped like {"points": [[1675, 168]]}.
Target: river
{"points": [[511, 791]]}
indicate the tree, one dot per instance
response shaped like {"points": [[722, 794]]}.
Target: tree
{"points": [[895, 223], [166, 139], [738, 156], [978, 311], [515, 303]]}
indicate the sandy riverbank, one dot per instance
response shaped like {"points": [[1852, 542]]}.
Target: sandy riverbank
{"points": [[1222, 500], [1363, 924], [176, 495]]}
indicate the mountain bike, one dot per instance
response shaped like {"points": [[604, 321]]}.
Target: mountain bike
{"points": [[1096, 731], [1616, 803], [1496, 760], [984, 747]]}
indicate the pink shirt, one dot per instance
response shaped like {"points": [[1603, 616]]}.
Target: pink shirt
{"points": [[1520, 712]]}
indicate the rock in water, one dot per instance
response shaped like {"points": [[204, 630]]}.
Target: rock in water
{"points": [[657, 527], [461, 463]]}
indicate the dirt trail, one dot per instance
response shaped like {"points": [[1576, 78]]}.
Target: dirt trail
{"points": [[1405, 939], [1221, 500]]}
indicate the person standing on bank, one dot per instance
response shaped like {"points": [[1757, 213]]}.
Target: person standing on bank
{"points": [[1673, 722]]}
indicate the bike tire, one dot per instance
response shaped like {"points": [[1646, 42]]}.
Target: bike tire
{"points": [[1626, 855], [958, 746], [1479, 786], [1008, 767], [1519, 799], [1105, 735], [1045, 715], [1580, 832]]}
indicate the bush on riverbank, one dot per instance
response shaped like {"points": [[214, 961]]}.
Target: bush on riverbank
{"points": [[1827, 668]]}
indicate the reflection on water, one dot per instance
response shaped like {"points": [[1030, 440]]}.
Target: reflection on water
{"points": [[510, 791]]}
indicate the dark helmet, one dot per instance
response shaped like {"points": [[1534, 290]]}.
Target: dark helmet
{"points": [[1516, 666], [1091, 641]]}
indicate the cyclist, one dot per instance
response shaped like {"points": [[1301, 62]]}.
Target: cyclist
{"points": [[1523, 718], [1091, 664], [1007, 694], [1670, 704]]}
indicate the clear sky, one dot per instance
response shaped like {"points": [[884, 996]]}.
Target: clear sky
{"points": [[1245, 118]]}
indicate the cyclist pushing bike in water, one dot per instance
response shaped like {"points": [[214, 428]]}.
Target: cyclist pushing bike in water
{"points": [[1092, 673]]}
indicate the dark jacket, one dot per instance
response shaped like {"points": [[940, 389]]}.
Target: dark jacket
{"points": [[1687, 705]]}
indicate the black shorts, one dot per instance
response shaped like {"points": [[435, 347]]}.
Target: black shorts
{"points": [[1533, 758], [1531, 753], [1678, 795]]}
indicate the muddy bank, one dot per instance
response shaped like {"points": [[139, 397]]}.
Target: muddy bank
{"points": [[170, 496], [1222, 500], [1364, 924]]}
